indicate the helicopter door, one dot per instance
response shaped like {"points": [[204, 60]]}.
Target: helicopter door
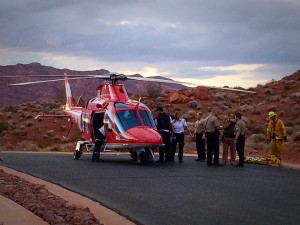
{"points": [[97, 123]]}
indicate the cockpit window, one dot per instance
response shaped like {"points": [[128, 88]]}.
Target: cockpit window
{"points": [[126, 119], [147, 118]]}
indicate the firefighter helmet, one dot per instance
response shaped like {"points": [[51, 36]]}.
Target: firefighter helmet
{"points": [[271, 114]]}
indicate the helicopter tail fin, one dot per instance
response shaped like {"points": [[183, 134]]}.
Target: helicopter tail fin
{"points": [[70, 99]]}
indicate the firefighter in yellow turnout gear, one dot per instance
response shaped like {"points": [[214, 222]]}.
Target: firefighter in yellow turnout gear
{"points": [[276, 134]]}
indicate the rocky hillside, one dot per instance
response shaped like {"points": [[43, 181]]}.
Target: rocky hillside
{"points": [[19, 130]]}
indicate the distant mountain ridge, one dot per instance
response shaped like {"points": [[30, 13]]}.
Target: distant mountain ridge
{"points": [[13, 95]]}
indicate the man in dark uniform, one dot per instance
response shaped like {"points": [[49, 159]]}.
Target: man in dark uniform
{"points": [[200, 141], [240, 130], [164, 127], [99, 141]]}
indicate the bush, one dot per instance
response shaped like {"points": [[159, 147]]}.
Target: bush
{"points": [[296, 137], [154, 89], [3, 126]]}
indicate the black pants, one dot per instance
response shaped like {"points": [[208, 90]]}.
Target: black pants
{"points": [[177, 138], [240, 147], [97, 148], [164, 151], [212, 140], [200, 145]]}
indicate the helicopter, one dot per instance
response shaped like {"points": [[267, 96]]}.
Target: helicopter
{"points": [[127, 124]]}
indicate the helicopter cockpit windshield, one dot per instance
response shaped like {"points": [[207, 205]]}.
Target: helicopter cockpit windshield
{"points": [[128, 118]]}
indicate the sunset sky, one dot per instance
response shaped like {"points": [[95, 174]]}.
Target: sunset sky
{"points": [[219, 43]]}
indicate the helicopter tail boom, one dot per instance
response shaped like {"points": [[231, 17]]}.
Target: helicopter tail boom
{"points": [[70, 99]]}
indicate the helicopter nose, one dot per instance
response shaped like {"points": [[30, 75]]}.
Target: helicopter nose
{"points": [[145, 135]]}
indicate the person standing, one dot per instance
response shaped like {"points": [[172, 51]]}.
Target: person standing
{"points": [[228, 139], [200, 141], [99, 141], [276, 134], [179, 125], [164, 127], [240, 130], [212, 127]]}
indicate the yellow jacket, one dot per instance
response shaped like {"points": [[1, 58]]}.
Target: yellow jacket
{"points": [[276, 129]]}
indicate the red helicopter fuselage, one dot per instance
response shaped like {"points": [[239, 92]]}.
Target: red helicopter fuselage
{"points": [[128, 124]]}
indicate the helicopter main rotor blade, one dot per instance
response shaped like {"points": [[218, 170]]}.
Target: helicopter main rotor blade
{"points": [[186, 83], [234, 89], [121, 77], [46, 81], [104, 76], [159, 80]]}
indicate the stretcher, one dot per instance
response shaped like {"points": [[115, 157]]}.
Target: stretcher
{"points": [[271, 160]]}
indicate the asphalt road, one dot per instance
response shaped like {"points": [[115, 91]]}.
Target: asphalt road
{"points": [[176, 193]]}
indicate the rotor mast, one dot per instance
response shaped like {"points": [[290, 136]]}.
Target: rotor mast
{"points": [[111, 89]]}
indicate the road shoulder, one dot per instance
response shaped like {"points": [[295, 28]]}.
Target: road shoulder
{"points": [[103, 214]]}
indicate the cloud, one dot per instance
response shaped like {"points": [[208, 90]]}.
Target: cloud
{"points": [[180, 39]]}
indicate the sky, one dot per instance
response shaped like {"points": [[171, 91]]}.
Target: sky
{"points": [[235, 43]]}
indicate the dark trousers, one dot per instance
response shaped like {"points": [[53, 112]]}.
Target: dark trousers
{"points": [[97, 148], [164, 151], [212, 140], [177, 138], [240, 147], [200, 145]]}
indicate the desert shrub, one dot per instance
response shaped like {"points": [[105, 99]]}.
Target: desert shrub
{"points": [[177, 109], [239, 87], [219, 96], [286, 87], [276, 98], [154, 89], [261, 145], [257, 128], [192, 104], [75, 135], [160, 99], [50, 133], [53, 148], [245, 108], [296, 137], [255, 111], [284, 101], [189, 115], [26, 145], [269, 91], [4, 125], [10, 108], [44, 143], [199, 107], [289, 130], [273, 108], [297, 120], [19, 133], [28, 123], [291, 82], [296, 95]]}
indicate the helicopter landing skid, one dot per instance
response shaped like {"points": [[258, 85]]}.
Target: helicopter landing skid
{"points": [[142, 155], [79, 148]]}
